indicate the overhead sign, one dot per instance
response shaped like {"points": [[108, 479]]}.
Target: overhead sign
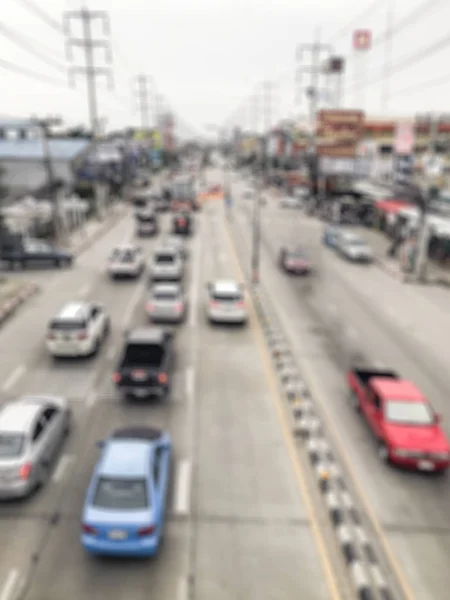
{"points": [[362, 39], [404, 138], [339, 132]]}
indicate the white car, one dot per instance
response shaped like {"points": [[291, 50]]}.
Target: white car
{"points": [[166, 265], [291, 202], [77, 330], [126, 260], [177, 243], [226, 302], [167, 303], [353, 247]]}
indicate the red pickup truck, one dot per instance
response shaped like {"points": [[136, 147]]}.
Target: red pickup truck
{"points": [[404, 423]]}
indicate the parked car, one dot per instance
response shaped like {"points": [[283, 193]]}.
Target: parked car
{"points": [[125, 506], [330, 235], [353, 247], [30, 252]]}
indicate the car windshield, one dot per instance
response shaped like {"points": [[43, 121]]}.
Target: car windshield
{"points": [[403, 412], [121, 494], [166, 295], [125, 256], [227, 296], [164, 258], [138, 355], [296, 254], [11, 445], [357, 243], [67, 325]]}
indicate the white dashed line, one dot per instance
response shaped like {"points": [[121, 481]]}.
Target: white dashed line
{"points": [[190, 381], [13, 378], [84, 292], [64, 462], [183, 488], [10, 584], [351, 333]]}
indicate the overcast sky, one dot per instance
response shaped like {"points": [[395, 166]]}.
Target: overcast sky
{"points": [[207, 57]]}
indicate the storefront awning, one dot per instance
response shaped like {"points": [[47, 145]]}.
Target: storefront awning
{"points": [[392, 206]]}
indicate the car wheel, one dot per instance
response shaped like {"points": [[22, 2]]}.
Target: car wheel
{"points": [[383, 452], [355, 402]]}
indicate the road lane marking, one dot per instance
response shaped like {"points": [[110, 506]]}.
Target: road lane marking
{"points": [[91, 399], [131, 306], [182, 500], [256, 330], [183, 589], [84, 292], [13, 378], [10, 584], [190, 382], [64, 463]]}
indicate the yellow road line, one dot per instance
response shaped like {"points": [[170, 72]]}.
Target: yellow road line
{"points": [[316, 391], [330, 576]]}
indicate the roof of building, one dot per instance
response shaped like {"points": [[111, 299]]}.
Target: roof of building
{"points": [[32, 149]]}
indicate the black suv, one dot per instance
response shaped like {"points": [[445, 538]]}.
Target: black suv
{"points": [[183, 224]]}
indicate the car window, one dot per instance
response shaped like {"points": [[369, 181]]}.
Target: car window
{"points": [[67, 325], [164, 258], [50, 413], [143, 354], [403, 412], [166, 295], [121, 494], [296, 254], [11, 445], [38, 430], [226, 296]]}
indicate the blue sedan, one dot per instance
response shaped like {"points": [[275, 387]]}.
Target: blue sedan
{"points": [[125, 504], [330, 235]]}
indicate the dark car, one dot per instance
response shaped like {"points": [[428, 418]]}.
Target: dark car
{"points": [[295, 261], [146, 363], [147, 223], [182, 224], [28, 253]]}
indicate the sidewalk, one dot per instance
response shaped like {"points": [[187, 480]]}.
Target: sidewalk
{"points": [[379, 242], [14, 293]]}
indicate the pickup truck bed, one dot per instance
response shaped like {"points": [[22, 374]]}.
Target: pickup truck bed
{"points": [[359, 378]]}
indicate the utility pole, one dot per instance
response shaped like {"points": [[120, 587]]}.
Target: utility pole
{"points": [[313, 94], [90, 71], [44, 126], [143, 98]]}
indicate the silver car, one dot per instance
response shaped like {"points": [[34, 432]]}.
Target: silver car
{"points": [[167, 303], [166, 265], [178, 243], [32, 430]]}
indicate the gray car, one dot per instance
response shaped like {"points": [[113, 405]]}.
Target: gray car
{"points": [[32, 430], [167, 303], [178, 243], [166, 265]]}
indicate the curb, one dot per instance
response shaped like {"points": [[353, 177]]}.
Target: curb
{"points": [[101, 231], [358, 551], [389, 269], [10, 307]]}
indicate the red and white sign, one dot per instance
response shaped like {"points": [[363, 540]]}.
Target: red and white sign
{"points": [[362, 39], [404, 138]]}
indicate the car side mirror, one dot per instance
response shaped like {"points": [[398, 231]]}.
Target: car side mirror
{"points": [[100, 444], [437, 418]]}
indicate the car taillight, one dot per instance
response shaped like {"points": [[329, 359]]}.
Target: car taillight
{"points": [[82, 335], [146, 530], [178, 307], [150, 307], [25, 471], [213, 304], [116, 377], [88, 529], [162, 378], [240, 304]]}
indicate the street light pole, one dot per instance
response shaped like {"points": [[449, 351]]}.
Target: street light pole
{"points": [[256, 236]]}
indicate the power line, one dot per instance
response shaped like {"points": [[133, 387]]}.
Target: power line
{"points": [[44, 16], [9, 66], [344, 30], [408, 19], [411, 60], [28, 46], [435, 82]]}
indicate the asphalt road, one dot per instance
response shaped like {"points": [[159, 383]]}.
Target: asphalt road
{"points": [[348, 315], [237, 526]]}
